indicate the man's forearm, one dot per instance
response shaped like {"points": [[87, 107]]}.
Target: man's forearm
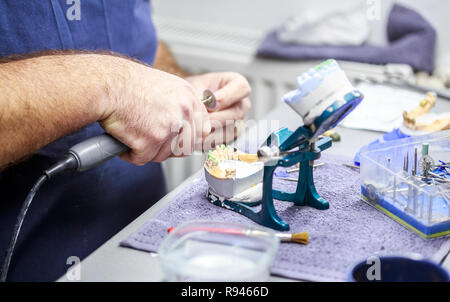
{"points": [[46, 97]]}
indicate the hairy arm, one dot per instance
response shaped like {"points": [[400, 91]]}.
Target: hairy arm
{"points": [[45, 97]]}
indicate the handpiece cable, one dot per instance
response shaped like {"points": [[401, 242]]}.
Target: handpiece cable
{"points": [[68, 163], [81, 157]]}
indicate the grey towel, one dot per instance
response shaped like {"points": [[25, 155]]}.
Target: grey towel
{"points": [[350, 230], [412, 40]]}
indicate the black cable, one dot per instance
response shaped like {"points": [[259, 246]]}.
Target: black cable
{"points": [[18, 225], [67, 163]]}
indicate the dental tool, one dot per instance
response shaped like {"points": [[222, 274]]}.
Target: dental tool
{"points": [[323, 99], [81, 157], [298, 169], [418, 199], [209, 100]]}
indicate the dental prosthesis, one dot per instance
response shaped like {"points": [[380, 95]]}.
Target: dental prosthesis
{"points": [[418, 119]]}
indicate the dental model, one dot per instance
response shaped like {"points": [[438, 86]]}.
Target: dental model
{"points": [[229, 171], [319, 88], [412, 119]]}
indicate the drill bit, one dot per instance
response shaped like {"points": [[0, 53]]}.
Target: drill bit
{"points": [[298, 169], [407, 162], [289, 179], [414, 171], [351, 166], [442, 179], [209, 100]]}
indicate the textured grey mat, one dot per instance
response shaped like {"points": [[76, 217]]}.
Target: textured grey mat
{"points": [[349, 231]]}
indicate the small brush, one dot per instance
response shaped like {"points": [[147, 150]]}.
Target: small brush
{"points": [[300, 238]]}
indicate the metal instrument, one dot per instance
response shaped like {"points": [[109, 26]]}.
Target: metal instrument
{"points": [[98, 149], [286, 148], [209, 100]]}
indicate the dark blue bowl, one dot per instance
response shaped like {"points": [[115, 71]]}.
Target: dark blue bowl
{"points": [[399, 269]]}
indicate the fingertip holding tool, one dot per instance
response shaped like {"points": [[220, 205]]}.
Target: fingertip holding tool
{"points": [[209, 100]]}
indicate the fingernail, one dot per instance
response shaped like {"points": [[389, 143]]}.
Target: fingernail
{"points": [[217, 102], [215, 108]]}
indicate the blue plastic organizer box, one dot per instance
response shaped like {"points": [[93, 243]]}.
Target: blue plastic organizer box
{"points": [[402, 188]]}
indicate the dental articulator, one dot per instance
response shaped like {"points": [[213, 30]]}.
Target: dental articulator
{"points": [[240, 182]]}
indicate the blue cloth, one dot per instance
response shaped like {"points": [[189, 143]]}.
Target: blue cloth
{"points": [[74, 213], [412, 40]]}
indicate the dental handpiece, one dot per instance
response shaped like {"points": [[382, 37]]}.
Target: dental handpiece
{"points": [[81, 157], [99, 149]]}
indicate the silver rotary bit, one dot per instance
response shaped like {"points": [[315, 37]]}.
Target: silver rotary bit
{"points": [[209, 100]]}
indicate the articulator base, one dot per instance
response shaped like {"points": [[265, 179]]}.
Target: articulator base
{"points": [[305, 194], [303, 146]]}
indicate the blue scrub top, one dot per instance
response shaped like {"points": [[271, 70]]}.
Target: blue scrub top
{"points": [[74, 213]]}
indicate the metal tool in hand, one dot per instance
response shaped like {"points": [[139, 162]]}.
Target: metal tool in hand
{"points": [[99, 149], [209, 100]]}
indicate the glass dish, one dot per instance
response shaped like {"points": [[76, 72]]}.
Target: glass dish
{"points": [[211, 251]]}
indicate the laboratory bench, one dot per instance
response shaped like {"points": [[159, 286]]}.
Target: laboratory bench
{"points": [[111, 262]]}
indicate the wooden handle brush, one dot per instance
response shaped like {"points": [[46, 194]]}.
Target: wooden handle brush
{"points": [[300, 238]]}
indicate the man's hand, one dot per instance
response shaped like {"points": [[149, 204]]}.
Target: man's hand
{"points": [[228, 118], [156, 114], [45, 97]]}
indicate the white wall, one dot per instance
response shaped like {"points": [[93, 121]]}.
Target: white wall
{"points": [[187, 25], [262, 15]]}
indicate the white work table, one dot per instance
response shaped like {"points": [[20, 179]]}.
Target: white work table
{"points": [[111, 262]]}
